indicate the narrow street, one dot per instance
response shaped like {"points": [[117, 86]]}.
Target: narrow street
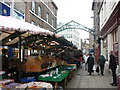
{"points": [[81, 79], [43, 44]]}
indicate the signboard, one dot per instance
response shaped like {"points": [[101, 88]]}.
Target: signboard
{"points": [[4, 10]]}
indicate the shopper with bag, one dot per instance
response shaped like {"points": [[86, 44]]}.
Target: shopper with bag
{"points": [[101, 62], [97, 69], [90, 62]]}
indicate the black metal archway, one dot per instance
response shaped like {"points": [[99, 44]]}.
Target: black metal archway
{"points": [[74, 25]]}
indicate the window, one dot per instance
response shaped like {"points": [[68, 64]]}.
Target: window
{"points": [[115, 39], [39, 11], [53, 9], [33, 6], [47, 17], [46, 2], [39, 25], [32, 22], [53, 22]]}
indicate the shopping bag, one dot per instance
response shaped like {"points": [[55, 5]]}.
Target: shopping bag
{"points": [[94, 68], [97, 69]]}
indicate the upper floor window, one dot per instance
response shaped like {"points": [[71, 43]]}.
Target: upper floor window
{"points": [[46, 2], [39, 11], [47, 17], [53, 22], [32, 22], [33, 6], [53, 9]]}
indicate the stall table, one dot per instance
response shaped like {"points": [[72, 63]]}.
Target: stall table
{"points": [[63, 73]]}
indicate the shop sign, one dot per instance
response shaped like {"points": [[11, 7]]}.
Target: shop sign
{"points": [[4, 10]]}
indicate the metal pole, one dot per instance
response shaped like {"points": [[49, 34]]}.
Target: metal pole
{"points": [[19, 72]]}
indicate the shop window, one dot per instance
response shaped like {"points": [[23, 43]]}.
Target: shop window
{"points": [[115, 47], [115, 39]]}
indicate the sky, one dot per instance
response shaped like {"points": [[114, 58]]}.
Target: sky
{"points": [[77, 10]]}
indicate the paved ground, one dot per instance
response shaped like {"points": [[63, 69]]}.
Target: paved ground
{"points": [[81, 79]]}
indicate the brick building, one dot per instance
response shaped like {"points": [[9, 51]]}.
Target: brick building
{"points": [[109, 27], [96, 5], [42, 14]]}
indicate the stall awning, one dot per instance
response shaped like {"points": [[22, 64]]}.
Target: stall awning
{"points": [[8, 23], [11, 28]]}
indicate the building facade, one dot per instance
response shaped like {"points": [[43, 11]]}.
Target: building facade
{"points": [[85, 46], [96, 5], [42, 13], [109, 28]]}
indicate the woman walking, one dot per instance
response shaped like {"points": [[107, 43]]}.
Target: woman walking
{"points": [[90, 62]]}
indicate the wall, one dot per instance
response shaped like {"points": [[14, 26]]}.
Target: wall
{"points": [[119, 45]]}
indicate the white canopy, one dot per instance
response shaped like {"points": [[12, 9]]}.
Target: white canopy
{"points": [[9, 23], [9, 26]]}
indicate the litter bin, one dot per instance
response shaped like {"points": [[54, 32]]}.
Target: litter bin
{"points": [[118, 80]]}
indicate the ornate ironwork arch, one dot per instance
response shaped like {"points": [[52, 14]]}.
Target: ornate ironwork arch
{"points": [[74, 25]]}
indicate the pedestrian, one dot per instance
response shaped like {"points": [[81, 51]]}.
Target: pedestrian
{"points": [[85, 59], [90, 62], [113, 66], [101, 63], [81, 61], [5, 63]]}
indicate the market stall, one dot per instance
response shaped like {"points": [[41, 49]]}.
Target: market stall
{"points": [[37, 51]]}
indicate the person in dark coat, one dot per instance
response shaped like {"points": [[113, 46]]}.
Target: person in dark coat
{"points": [[101, 62], [90, 62], [5, 64], [113, 66]]}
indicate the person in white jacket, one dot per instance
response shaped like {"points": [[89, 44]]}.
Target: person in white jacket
{"points": [[85, 56]]}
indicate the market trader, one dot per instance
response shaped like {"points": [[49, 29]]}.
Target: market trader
{"points": [[5, 63]]}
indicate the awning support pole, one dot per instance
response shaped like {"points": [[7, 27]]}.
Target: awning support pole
{"points": [[19, 46]]}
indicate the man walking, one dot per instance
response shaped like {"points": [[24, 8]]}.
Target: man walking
{"points": [[113, 66]]}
